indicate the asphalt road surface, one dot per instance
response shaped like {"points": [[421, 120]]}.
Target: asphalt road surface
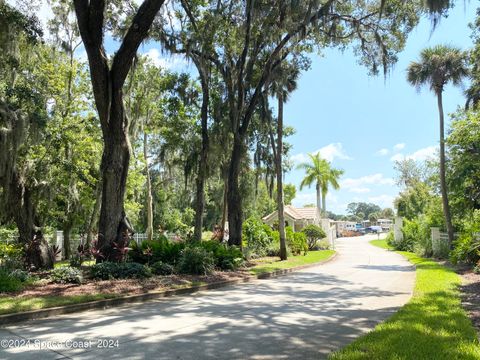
{"points": [[303, 315]]}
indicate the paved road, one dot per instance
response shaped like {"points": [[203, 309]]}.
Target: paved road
{"points": [[304, 315]]}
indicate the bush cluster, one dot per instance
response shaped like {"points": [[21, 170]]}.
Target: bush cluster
{"points": [[112, 270], [261, 240], [66, 274], [149, 252], [467, 246], [196, 260], [12, 280], [314, 234], [161, 268]]}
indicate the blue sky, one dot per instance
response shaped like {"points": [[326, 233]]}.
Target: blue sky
{"points": [[362, 122]]}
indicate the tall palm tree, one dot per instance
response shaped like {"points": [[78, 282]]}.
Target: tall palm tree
{"points": [[284, 82], [438, 66], [320, 172], [330, 177]]}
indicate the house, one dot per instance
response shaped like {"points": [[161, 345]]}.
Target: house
{"points": [[297, 218]]}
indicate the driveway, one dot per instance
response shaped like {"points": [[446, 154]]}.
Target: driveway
{"points": [[304, 315]]}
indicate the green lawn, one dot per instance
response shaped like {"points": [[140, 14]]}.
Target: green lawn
{"points": [[272, 264], [433, 325], [10, 305], [381, 243]]}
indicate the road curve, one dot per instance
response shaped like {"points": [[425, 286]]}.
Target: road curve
{"points": [[304, 315]]}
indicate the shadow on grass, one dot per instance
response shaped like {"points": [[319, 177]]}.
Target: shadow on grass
{"points": [[433, 325]]}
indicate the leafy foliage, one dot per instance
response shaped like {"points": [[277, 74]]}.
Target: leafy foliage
{"points": [[257, 236], [161, 268], [196, 260], [113, 270], [9, 283], [313, 233], [66, 274]]}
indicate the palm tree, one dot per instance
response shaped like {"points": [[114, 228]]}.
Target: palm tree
{"points": [[284, 82], [320, 172], [437, 67]]}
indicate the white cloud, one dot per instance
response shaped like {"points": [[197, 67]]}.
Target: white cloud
{"points": [[399, 147], [397, 157], [329, 152], [358, 185], [304, 198], [382, 152], [166, 62], [424, 154], [430, 152], [360, 190], [382, 200]]}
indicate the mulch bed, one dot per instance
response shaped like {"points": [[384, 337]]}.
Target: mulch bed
{"points": [[470, 289], [125, 286]]}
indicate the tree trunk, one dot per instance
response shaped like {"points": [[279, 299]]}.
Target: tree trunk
{"points": [[235, 216], [225, 204], [443, 182], [324, 205], [278, 165], [115, 161], [319, 206], [22, 208], [149, 189], [202, 166], [67, 231], [95, 211]]}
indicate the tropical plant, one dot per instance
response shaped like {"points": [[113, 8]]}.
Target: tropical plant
{"points": [[438, 66], [66, 274], [314, 233], [322, 174], [196, 260]]}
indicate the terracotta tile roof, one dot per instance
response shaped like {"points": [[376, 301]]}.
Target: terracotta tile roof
{"points": [[308, 213]]}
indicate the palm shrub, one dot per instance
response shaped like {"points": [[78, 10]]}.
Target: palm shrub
{"points": [[313, 233], [149, 252]]}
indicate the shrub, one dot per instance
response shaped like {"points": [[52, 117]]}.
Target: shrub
{"points": [[196, 260], [467, 246], [11, 255], [66, 274], [322, 245], [9, 283], [149, 252], [111, 270], [161, 268], [226, 257], [21, 275], [298, 243], [390, 239], [257, 236], [313, 233], [410, 231]]}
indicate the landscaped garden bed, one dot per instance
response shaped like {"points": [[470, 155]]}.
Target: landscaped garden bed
{"points": [[44, 293]]}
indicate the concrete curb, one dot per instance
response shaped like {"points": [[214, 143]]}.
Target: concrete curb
{"points": [[9, 319]]}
